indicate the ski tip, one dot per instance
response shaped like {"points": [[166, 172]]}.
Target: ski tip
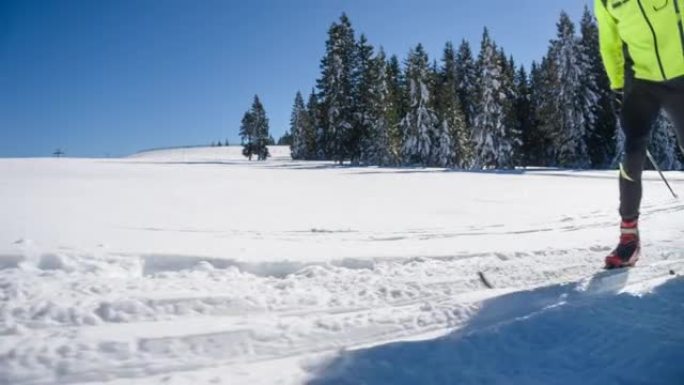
{"points": [[484, 280]]}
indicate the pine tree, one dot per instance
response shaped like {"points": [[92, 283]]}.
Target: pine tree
{"points": [[261, 128], [299, 128], [493, 140], [318, 142], [602, 124], [397, 107], [375, 145], [572, 98], [531, 137], [524, 116], [466, 75], [247, 135], [382, 111], [336, 90], [453, 148], [254, 132], [420, 122], [510, 158], [365, 74], [545, 84]]}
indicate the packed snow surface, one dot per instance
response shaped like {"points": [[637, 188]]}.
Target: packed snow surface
{"points": [[195, 266]]}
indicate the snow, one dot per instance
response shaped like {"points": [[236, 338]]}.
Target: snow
{"points": [[197, 266], [556, 343]]}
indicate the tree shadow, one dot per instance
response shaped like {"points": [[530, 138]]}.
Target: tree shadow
{"points": [[556, 172], [309, 166], [357, 169], [583, 333]]}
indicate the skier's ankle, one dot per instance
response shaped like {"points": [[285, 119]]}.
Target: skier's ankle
{"points": [[629, 230], [629, 223]]}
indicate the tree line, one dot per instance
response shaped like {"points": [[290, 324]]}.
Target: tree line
{"points": [[465, 111]]}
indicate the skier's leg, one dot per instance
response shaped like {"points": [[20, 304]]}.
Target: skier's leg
{"points": [[674, 106], [641, 107]]}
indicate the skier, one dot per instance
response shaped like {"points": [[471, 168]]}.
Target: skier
{"points": [[642, 46]]}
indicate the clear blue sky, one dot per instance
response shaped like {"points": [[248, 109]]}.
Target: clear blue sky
{"points": [[108, 78]]}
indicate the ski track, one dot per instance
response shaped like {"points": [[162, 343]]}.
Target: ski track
{"points": [[121, 329]]}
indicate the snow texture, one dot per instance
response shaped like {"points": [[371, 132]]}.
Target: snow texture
{"points": [[197, 266]]}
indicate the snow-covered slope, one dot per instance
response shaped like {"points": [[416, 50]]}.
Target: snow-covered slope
{"points": [[197, 266]]}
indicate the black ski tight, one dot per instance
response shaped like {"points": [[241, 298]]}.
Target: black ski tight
{"points": [[642, 105]]}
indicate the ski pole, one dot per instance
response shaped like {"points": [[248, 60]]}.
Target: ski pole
{"points": [[650, 157]]}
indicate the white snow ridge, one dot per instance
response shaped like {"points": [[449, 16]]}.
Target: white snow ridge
{"points": [[197, 267]]}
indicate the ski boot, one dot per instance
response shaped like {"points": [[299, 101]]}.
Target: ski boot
{"points": [[627, 253]]}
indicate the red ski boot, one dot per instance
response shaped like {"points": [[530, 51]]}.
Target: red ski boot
{"points": [[628, 250]]}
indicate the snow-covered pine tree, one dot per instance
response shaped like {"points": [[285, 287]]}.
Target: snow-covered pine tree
{"points": [[397, 106], [511, 158], [524, 115], [376, 143], [260, 123], [530, 133], [664, 146], [420, 122], [466, 75], [317, 143], [336, 89], [545, 83], [456, 149], [602, 124], [572, 97], [361, 141], [442, 152], [382, 111], [299, 128], [492, 139]]}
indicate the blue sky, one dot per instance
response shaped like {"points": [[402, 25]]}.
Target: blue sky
{"points": [[109, 78]]}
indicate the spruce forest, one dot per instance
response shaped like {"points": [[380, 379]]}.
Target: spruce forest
{"points": [[465, 111]]}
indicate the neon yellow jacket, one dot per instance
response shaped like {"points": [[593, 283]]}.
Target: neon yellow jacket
{"points": [[649, 33]]}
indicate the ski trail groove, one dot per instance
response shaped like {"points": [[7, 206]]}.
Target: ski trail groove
{"points": [[144, 345]]}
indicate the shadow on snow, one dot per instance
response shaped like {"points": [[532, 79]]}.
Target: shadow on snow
{"points": [[375, 170], [559, 335]]}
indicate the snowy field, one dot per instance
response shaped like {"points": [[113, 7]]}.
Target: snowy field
{"points": [[197, 267]]}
